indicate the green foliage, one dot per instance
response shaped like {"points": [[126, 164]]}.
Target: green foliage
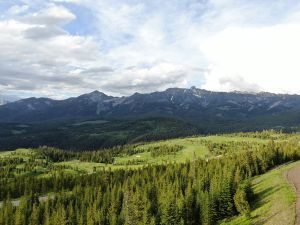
{"points": [[241, 201], [198, 191]]}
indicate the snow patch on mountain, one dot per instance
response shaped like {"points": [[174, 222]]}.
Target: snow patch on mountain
{"points": [[274, 105], [172, 99], [30, 107]]}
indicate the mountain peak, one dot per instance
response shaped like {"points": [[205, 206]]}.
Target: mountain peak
{"points": [[96, 92], [95, 96]]}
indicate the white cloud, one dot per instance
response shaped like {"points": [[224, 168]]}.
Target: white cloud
{"points": [[41, 57], [265, 58], [40, 61], [17, 9], [157, 77], [149, 45], [53, 15]]}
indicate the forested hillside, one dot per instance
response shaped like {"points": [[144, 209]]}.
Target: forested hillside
{"points": [[92, 134], [200, 189]]}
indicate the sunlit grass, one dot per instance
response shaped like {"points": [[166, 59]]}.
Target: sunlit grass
{"points": [[275, 200]]}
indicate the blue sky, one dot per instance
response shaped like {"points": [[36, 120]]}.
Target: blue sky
{"points": [[62, 48]]}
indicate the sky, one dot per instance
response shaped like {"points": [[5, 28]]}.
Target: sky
{"points": [[63, 48]]}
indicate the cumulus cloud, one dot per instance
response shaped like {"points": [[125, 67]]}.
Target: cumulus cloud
{"points": [[40, 49], [38, 55], [59, 48], [52, 15]]}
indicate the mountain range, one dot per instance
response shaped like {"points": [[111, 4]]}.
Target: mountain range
{"points": [[96, 120], [194, 105]]}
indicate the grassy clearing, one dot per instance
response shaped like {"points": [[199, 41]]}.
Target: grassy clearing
{"points": [[90, 122], [76, 166], [189, 150], [275, 202], [192, 147], [23, 153]]}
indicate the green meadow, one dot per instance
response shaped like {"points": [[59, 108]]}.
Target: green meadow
{"points": [[205, 147]]}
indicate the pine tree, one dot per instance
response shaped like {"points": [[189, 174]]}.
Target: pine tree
{"points": [[59, 217], [225, 201], [8, 212], [241, 202], [191, 209], [35, 215], [20, 216], [170, 212]]}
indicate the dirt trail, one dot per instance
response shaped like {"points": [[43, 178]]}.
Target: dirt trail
{"points": [[293, 176]]}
